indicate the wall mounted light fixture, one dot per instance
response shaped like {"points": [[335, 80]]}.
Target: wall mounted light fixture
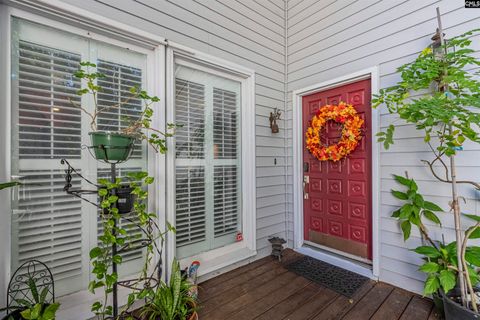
{"points": [[274, 116]]}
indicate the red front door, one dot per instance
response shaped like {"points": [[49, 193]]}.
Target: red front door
{"points": [[337, 197]]}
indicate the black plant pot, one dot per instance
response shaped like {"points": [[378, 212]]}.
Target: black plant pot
{"points": [[125, 200], [15, 315], [455, 311], [438, 303]]}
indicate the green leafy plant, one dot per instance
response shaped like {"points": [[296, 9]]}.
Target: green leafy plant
{"points": [[41, 312], [37, 309], [170, 301], [10, 184], [114, 233], [441, 263], [136, 125], [414, 209], [439, 92]]}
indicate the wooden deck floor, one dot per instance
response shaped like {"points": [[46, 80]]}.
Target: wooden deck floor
{"points": [[265, 290]]}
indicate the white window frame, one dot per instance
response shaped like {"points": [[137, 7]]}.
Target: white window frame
{"points": [[59, 15], [219, 258]]}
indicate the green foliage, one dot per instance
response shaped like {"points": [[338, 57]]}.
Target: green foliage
{"points": [[134, 126], [116, 233], [11, 184], [41, 312], [439, 93], [441, 261], [170, 301], [38, 309], [415, 207], [444, 113], [440, 267]]}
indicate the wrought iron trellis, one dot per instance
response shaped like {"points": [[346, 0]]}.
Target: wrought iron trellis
{"points": [[150, 281], [32, 272]]}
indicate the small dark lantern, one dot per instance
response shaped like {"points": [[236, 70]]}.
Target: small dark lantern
{"points": [[274, 116], [277, 247]]}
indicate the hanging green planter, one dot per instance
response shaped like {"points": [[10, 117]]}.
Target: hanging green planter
{"points": [[111, 146]]}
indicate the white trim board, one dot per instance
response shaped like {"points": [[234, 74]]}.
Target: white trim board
{"points": [[298, 242], [337, 261], [60, 11]]}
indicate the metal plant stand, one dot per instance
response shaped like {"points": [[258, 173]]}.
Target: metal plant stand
{"points": [[115, 250], [19, 287]]}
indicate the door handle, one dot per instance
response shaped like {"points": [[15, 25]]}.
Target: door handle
{"points": [[306, 180]]}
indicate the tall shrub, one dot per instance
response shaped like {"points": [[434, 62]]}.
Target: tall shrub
{"points": [[439, 93]]}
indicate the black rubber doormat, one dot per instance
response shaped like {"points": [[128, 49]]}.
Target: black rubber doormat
{"points": [[340, 280]]}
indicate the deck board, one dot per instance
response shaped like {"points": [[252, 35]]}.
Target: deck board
{"points": [[265, 290], [394, 305], [291, 303], [418, 309]]}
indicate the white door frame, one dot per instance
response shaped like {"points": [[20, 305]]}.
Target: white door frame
{"points": [[298, 242]]}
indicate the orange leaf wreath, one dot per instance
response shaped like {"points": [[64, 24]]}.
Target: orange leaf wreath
{"points": [[344, 114]]}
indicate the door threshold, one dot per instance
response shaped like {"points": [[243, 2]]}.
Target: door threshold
{"points": [[337, 260], [339, 253]]}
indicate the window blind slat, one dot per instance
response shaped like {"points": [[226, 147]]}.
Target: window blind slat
{"points": [[190, 211], [45, 80], [226, 208], [49, 222], [225, 129], [190, 113]]}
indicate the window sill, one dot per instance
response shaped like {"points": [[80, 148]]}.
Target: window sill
{"points": [[212, 262], [77, 305]]}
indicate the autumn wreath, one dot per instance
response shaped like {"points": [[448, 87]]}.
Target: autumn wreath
{"points": [[344, 114]]}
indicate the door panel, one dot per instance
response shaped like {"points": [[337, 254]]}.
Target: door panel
{"points": [[338, 210]]}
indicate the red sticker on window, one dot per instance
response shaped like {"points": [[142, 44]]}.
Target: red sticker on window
{"points": [[239, 236]]}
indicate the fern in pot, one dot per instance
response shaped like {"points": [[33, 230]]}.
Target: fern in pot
{"points": [[118, 145], [172, 300]]}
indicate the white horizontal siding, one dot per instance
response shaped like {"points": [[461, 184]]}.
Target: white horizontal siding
{"points": [[328, 39]]}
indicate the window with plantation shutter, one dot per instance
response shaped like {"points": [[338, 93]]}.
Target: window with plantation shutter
{"points": [[48, 125], [48, 223], [226, 209], [190, 201], [190, 112], [116, 84], [225, 115], [207, 161]]}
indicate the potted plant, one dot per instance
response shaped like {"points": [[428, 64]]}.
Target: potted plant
{"points": [[172, 301], [38, 309], [413, 212], [119, 195], [113, 233], [118, 146], [447, 118]]}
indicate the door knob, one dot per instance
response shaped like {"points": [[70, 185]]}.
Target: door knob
{"points": [[306, 180]]}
